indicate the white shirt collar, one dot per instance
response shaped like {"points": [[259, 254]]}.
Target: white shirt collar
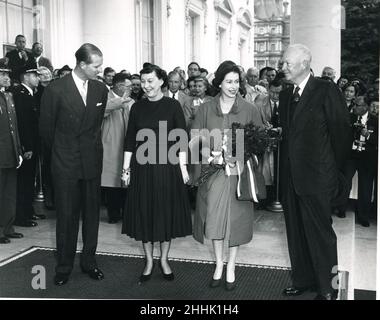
{"points": [[29, 89], [365, 118], [175, 95], [78, 81], [302, 85]]}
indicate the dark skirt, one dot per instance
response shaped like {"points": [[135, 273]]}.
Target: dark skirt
{"points": [[157, 206]]}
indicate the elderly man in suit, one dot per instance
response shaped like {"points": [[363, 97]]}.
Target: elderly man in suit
{"points": [[18, 57], [10, 158], [316, 142], [174, 82], [72, 111], [37, 50]]}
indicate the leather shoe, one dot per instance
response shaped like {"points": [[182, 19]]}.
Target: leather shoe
{"points": [[364, 223], [328, 296], [4, 240], [27, 224], [60, 279], [341, 214], [95, 273], [38, 217], [294, 291], [15, 235]]}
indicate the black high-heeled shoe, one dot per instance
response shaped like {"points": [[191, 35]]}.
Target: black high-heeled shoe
{"points": [[167, 276], [230, 285], [146, 277], [215, 283]]}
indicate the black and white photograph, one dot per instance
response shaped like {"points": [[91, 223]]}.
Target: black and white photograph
{"points": [[193, 155]]}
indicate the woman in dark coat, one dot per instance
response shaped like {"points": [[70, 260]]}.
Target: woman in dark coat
{"points": [[219, 215], [157, 208]]}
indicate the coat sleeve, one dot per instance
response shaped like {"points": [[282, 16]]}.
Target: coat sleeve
{"points": [[338, 122], [48, 116], [24, 127], [130, 137]]}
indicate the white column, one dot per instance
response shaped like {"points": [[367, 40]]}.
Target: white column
{"points": [[110, 25], [316, 24]]}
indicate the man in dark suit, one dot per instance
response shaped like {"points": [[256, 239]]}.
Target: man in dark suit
{"points": [[72, 111], [27, 118], [18, 57], [10, 158], [41, 61], [316, 131]]}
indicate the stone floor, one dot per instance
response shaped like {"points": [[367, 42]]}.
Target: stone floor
{"points": [[356, 245]]}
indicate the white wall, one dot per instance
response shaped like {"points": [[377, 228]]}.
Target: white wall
{"points": [[316, 24], [110, 25], [65, 29]]}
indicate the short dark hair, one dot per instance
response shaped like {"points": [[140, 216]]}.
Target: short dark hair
{"points": [[203, 70], [189, 80], [261, 72], [160, 73], [276, 82], [34, 44], [85, 52], [19, 36], [120, 77], [146, 64], [108, 70], [224, 68], [193, 62], [355, 86]]}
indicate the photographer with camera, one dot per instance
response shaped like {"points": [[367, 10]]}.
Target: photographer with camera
{"points": [[363, 158]]}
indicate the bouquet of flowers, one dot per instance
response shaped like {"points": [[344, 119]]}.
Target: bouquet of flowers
{"points": [[257, 140]]}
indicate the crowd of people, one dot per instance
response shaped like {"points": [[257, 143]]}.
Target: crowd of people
{"points": [[83, 126]]}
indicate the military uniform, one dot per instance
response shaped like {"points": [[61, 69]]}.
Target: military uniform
{"points": [[27, 118], [10, 152]]}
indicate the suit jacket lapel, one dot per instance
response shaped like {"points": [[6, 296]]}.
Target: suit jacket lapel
{"points": [[73, 96], [306, 95]]}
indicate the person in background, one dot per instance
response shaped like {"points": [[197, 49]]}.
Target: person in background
{"points": [[174, 84], [350, 92], [182, 73], [27, 111], [204, 72], [329, 73], [64, 71], [10, 158], [193, 70], [45, 77], [37, 50], [191, 88], [18, 58], [342, 82], [108, 75], [114, 129], [363, 159], [157, 207], [137, 93]]}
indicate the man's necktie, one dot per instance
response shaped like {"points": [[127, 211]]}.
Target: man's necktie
{"points": [[274, 118], [83, 92], [293, 104], [173, 96]]}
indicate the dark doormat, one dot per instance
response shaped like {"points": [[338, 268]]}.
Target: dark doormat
{"points": [[364, 295], [22, 275]]}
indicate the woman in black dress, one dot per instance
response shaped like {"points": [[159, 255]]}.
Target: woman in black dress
{"points": [[157, 208]]}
